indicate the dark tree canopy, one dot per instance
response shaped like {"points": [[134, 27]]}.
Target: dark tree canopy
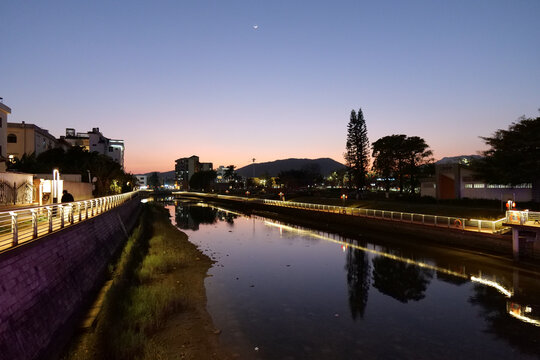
{"points": [[202, 180], [294, 179], [401, 157], [357, 146], [514, 155], [153, 180], [110, 177]]}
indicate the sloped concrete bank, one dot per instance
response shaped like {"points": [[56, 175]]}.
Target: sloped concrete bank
{"points": [[47, 283], [379, 229]]}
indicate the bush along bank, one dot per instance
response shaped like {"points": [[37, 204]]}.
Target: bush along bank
{"points": [[156, 279]]}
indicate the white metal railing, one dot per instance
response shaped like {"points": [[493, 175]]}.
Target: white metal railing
{"points": [[18, 226], [529, 218], [478, 225], [424, 219]]}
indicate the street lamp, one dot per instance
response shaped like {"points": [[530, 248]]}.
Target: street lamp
{"points": [[55, 185]]}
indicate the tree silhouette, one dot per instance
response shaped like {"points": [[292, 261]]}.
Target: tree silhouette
{"points": [[110, 177], [514, 156], [402, 157], [357, 149]]}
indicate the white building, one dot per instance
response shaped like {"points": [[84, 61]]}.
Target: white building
{"points": [[455, 180], [142, 181], [95, 141]]}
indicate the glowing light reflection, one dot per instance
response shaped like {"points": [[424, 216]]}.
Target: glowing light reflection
{"points": [[493, 284]]}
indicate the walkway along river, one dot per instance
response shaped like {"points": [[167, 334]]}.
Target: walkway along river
{"points": [[278, 291]]}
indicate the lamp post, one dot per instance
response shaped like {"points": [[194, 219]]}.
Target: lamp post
{"points": [[55, 183]]}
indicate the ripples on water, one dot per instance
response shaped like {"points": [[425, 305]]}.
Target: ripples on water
{"points": [[283, 292]]}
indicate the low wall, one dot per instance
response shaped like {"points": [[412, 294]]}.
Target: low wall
{"points": [[45, 284], [79, 190]]}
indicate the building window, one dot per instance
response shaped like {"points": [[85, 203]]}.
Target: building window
{"points": [[479, 186], [110, 149], [12, 138], [468, 186]]}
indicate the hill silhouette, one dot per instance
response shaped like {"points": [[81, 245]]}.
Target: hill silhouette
{"points": [[273, 168]]}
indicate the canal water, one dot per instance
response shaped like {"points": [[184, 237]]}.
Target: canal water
{"points": [[278, 291]]}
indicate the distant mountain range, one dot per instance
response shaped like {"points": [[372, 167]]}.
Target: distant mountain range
{"points": [[457, 159], [273, 168]]}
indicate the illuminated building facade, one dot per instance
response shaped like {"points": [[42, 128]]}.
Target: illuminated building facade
{"points": [[95, 141], [23, 138]]}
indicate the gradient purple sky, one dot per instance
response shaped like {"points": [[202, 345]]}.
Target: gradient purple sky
{"points": [[177, 78]]}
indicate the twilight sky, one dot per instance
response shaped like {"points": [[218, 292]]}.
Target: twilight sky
{"points": [[178, 78]]}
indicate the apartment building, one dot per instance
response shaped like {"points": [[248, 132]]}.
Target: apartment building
{"points": [[23, 138], [185, 168], [95, 141]]}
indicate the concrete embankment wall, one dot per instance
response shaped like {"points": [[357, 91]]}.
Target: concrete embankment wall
{"points": [[379, 229], [46, 284]]}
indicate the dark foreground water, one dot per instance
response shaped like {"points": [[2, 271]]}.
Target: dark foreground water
{"points": [[282, 292]]}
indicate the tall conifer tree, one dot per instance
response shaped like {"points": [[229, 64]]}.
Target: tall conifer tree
{"points": [[357, 155]]}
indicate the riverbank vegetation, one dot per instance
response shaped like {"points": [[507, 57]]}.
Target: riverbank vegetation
{"points": [[160, 275]]}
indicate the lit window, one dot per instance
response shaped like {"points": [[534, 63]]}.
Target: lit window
{"points": [[479, 186], [468, 186]]}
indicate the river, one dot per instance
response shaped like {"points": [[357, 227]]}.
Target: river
{"points": [[278, 291]]}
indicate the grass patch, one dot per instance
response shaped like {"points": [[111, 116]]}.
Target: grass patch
{"points": [[141, 296]]}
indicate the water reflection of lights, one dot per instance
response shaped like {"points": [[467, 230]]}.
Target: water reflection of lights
{"points": [[372, 251], [493, 284], [229, 211], [517, 311]]}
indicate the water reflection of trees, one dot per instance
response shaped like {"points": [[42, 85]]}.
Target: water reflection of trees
{"points": [[189, 216], [402, 281], [493, 308], [358, 280]]}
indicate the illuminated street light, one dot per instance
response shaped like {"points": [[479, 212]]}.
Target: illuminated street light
{"points": [[55, 185]]}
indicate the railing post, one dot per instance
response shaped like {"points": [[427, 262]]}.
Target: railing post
{"points": [[493, 226], [61, 212], [49, 218], [435, 220], [71, 214], [92, 207], [14, 227], [423, 219], [463, 224], [448, 221], [79, 210], [391, 215], [34, 223], [479, 225]]}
